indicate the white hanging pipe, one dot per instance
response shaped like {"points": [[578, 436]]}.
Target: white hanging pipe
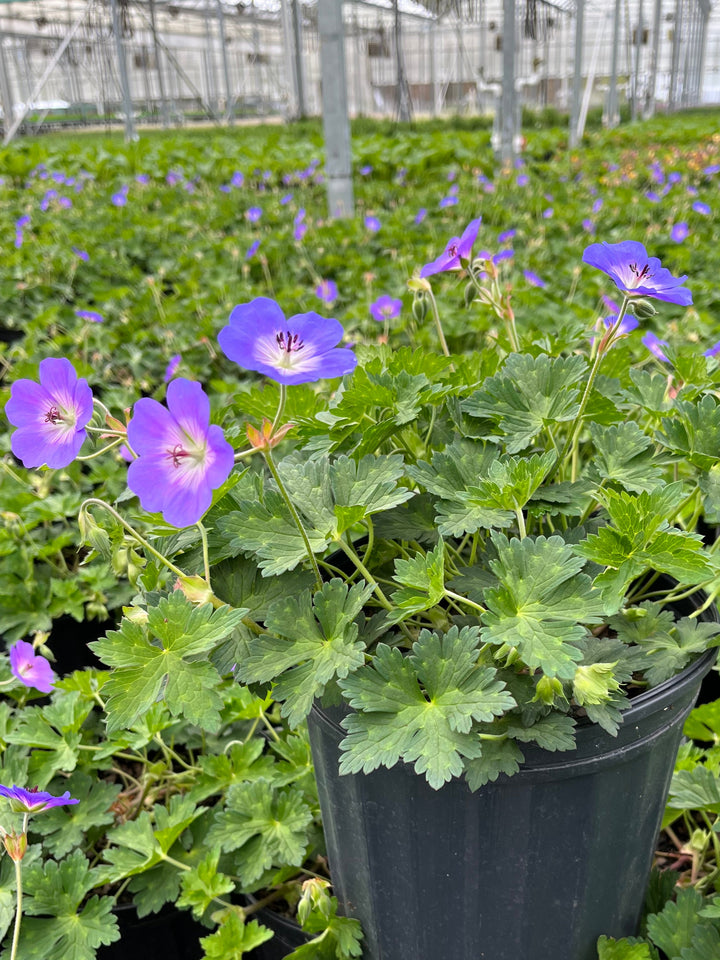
{"points": [[590, 81], [54, 60]]}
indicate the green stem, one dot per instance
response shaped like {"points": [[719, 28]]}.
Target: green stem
{"points": [[438, 324], [205, 551], [349, 552], [295, 515], [18, 909], [99, 453], [461, 599], [521, 523], [281, 407], [572, 441]]}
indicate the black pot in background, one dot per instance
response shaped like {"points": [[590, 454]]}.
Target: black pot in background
{"points": [[69, 640], [171, 934], [287, 936]]}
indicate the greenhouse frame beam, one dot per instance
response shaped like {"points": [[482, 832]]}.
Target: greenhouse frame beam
{"points": [[508, 95], [122, 67], [54, 60], [574, 138], [336, 121]]}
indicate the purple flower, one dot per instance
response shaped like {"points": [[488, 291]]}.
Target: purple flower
{"points": [[503, 255], [366, 170], [22, 222], [81, 254], [693, 191], [420, 215], [703, 208], [506, 235], [326, 291], [65, 203], [385, 308], [29, 668], [652, 196], [252, 250], [237, 179], [674, 177], [253, 214], [142, 178], [51, 415], [171, 368], [450, 201], [713, 351], [588, 226], [597, 206], [679, 232], [181, 458], [523, 180], [286, 199], [458, 249], [120, 198], [90, 315], [300, 349], [655, 345], [628, 324], [34, 801], [533, 279], [547, 214], [637, 275], [713, 168], [372, 224]]}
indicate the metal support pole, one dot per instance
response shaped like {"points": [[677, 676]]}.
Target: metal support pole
{"points": [[5, 88], [613, 111], [164, 112], [636, 69], [298, 59], [674, 67], [336, 123], [508, 95], [122, 68], [225, 64], [705, 8], [577, 73], [403, 93], [652, 82], [209, 58], [289, 58]]}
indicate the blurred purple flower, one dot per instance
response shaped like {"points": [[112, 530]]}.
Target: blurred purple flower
{"points": [[120, 198], [503, 255], [628, 324], [252, 250], [713, 351], [679, 232], [693, 191], [237, 179], [420, 215], [366, 170], [181, 458], [458, 249], [81, 254], [652, 196], [506, 235], [285, 199], [299, 349], [635, 273], [547, 214], [703, 208], [588, 226], [448, 202], [598, 205], [142, 178], [674, 177], [34, 801], [372, 224], [30, 668], [172, 367], [523, 180], [655, 345], [713, 168], [90, 315], [533, 279], [253, 214], [51, 416], [385, 308], [326, 291]]}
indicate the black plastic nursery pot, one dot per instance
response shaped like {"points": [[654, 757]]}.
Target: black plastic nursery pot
{"points": [[532, 867], [171, 934]]}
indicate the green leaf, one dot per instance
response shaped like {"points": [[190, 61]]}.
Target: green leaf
{"points": [[370, 485], [423, 583], [667, 654], [201, 885], [673, 929], [65, 828], [421, 707], [693, 432], [529, 394], [51, 751], [624, 453], [264, 826], [704, 722], [339, 938], [629, 948], [311, 641], [705, 944], [555, 731], [498, 756], [164, 659], [510, 482], [234, 938], [697, 789], [541, 604], [650, 390]]}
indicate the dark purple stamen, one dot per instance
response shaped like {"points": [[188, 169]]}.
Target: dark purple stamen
{"points": [[53, 415], [641, 274], [289, 342], [452, 249], [177, 453]]}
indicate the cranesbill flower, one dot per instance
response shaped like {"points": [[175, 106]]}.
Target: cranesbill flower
{"points": [[713, 351], [635, 273], [30, 668], [326, 291], [533, 279], [547, 214], [655, 346], [703, 208], [34, 801], [81, 254], [51, 415], [449, 201], [627, 324], [181, 457], [237, 179], [253, 214], [420, 215], [679, 232], [120, 198], [172, 367], [92, 315], [523, 180], [372, 224], [506, 235], [385, 308], [458, 249], [252, 250], [597, 205], [365, 170], [588, 226], [299, 349]]}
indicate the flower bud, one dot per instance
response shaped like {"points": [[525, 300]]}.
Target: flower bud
{"points": [[643, 309], [547, 689], [419, 306], [16, 845], [314, 897], [595, 683], [195, 589]]}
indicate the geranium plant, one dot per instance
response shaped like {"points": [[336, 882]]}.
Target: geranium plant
{"points": [[470, 553]]}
